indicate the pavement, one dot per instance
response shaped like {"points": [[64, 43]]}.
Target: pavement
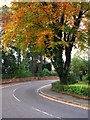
{"points": [[59, 97]]}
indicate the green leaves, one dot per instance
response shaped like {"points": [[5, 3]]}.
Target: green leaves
{"points": [[28, 21], [50, 28]]}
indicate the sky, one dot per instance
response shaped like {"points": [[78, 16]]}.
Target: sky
{"points": [[5, 2]]}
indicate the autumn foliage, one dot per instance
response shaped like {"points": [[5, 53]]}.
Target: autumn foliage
{"points": [[50, 27]]}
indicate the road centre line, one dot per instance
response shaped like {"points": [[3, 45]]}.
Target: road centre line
{"points": [[15, 91], [16, 98], [44, 112]]}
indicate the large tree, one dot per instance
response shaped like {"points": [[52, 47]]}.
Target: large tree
{"points": [[53, 28]]}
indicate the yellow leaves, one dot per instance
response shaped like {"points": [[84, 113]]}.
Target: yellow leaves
{"points": [[62, 27], [40, 42], [45, 32], [37, 21], [65, 43], [82, 45], [23, 10], [78, 35], [6, 27], [19, 15], [47, 8], [44, 37], [27, 41], [5, 40]]}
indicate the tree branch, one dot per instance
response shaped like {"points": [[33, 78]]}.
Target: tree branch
{"points": [[85, 11]]}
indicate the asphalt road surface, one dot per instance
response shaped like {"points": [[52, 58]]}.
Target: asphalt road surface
{"points": [[23, 101]]}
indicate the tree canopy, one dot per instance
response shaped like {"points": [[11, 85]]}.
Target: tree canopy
{"points": [[49, 27]]}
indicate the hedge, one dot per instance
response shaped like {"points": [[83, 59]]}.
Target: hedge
{"points": [[77, 89]]}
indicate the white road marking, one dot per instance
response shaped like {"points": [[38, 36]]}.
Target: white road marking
{"points": [[14, 90], [16, 98], [14, 95], [44, 112]]}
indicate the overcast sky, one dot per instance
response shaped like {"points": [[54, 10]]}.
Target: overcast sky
{"points": [[5, 2]]}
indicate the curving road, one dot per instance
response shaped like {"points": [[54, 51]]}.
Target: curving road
{"points": [[23, 101]]}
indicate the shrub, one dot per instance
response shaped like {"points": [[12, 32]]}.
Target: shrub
{"points": [[72, 78], [53, 73], [85, 77], [57, 86], [79, 89], [76, 89], [23, 74], [78, 68], [44, 72]]}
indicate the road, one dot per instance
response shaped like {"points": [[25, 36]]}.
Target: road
{"points": [[23, 101]]}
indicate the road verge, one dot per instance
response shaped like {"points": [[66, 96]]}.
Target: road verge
{"points": [[42, 92]]}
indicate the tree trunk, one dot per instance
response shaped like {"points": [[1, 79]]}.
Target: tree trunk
{"points": [[61, 67]]}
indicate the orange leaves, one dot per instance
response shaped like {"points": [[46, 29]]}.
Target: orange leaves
{"points": [[46, 32], [23, 10], [78, 35], [44, 37], [19, 15], [6, 28], [6, 16], [42, 23], [40, 42], [47, 8]]}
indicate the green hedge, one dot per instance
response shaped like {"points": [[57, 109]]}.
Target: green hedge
{"points": [[79, 89]]}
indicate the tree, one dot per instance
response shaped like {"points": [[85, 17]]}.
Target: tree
{"points": [[50, 27], [9, 66], [79, 67]]}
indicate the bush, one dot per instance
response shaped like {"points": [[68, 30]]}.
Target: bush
{"points": [[53, 73], [72, 78], [57, 86], [46, 72], [85, 77], [23, 74], [78, 68], [79, 89]]}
